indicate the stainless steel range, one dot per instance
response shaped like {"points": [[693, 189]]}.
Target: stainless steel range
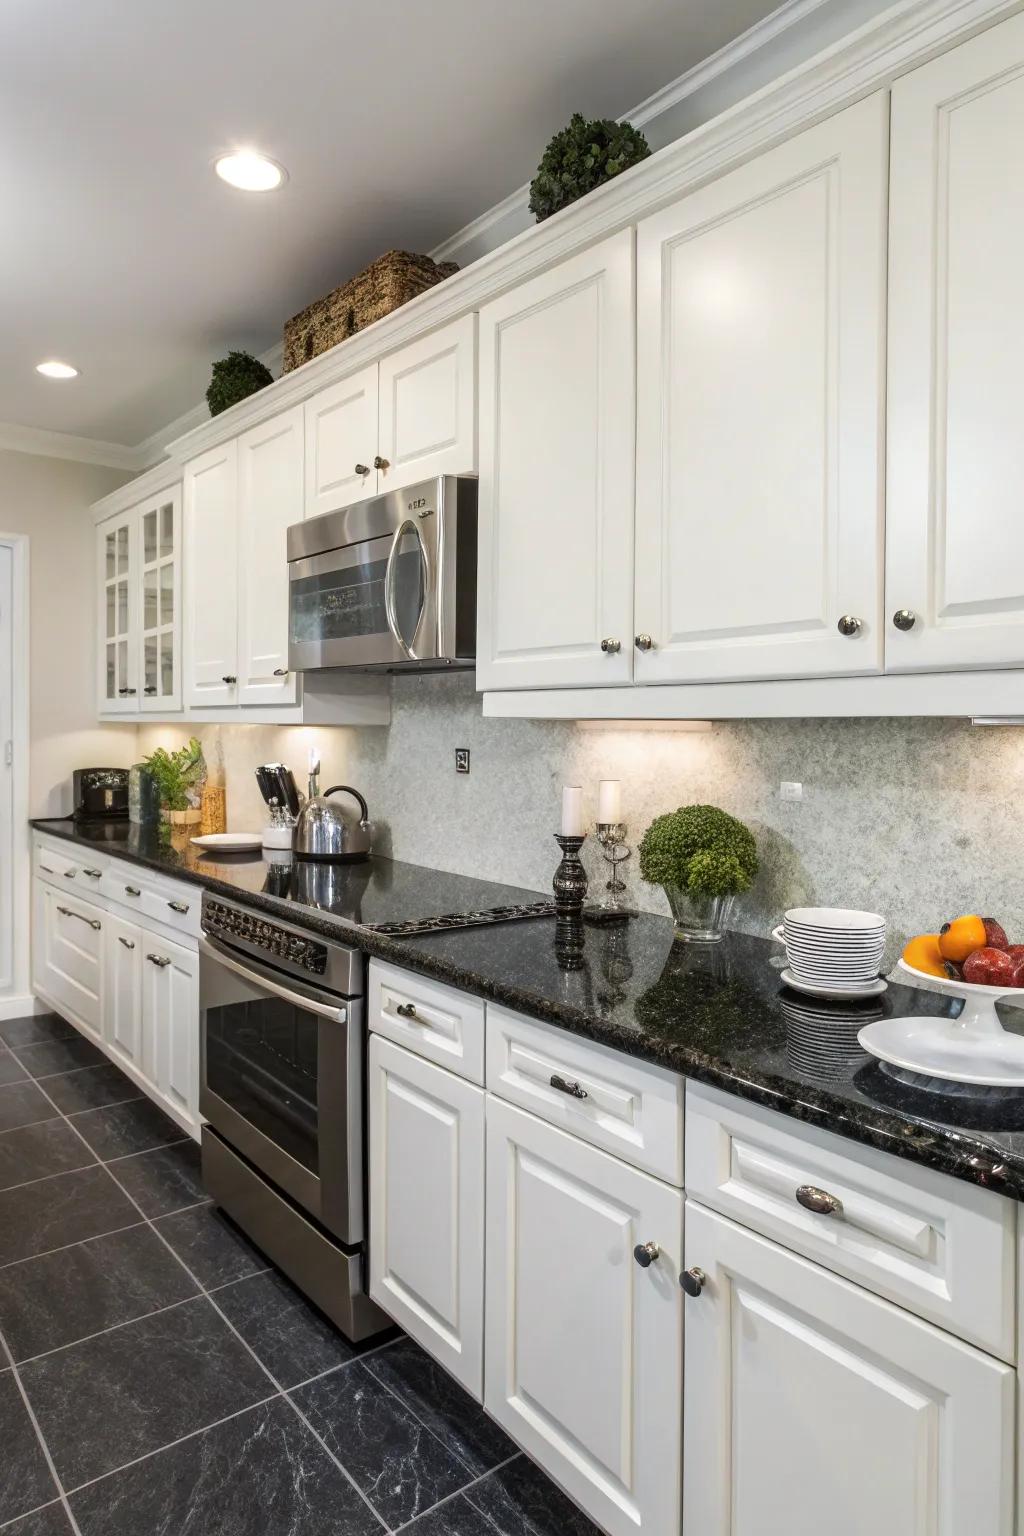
{"points": [[282, 1087]]}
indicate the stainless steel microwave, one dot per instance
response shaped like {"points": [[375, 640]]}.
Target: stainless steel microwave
{"points": [[388, 584]]}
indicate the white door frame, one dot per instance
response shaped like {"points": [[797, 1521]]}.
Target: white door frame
{"points": [[18, 999]]}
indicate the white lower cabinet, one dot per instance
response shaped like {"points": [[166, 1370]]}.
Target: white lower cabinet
{"points": [[68, 955], [122, 1012], [170, 1024], [583, 1349], [427, 1206], [811, 1405]]}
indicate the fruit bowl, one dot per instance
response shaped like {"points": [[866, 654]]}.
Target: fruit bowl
{"points": [[979, 1011]]}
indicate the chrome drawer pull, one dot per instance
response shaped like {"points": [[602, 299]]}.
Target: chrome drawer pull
{"points": [[47, 870], [160, 960], [128, 943], [67, 912], [564, 1086], [819, 1201], [406, 1010], [132, 890], [94, 874], [69, 874], [178, 906]]}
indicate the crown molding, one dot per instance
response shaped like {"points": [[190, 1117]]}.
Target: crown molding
{"points": [[64, 445], [514, 203], [152, 482]]}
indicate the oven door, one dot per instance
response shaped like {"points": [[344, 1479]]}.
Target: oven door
{"points": [[371, 604], [282, 1081]]}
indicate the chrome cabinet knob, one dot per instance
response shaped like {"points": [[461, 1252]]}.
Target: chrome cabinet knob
{"points": [[904, 618], [380, 463], [645, 1254], [362, 469], [611, 647], [406, 1010], [643, 642], [848, 625], [819, 1201], [693, 1281]]}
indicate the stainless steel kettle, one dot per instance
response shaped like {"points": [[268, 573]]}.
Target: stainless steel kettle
{"points": [[326, 830]]}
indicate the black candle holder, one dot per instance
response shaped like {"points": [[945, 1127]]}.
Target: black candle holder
{"points": [[570, 878]]}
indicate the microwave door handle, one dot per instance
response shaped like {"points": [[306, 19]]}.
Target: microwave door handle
{"points": [[253, 972], [408, 526]]}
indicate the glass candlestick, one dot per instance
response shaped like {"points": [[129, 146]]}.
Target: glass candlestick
{"points": [[612, 837]]}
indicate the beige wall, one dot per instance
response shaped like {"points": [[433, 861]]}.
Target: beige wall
{"points": [[49, 500]]}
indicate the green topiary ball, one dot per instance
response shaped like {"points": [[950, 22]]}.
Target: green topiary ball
{"points": [[580, 158], [235, 378], [701, 849]]}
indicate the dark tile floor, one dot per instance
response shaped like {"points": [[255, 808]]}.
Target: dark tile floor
{"points": [[158, 1378]]}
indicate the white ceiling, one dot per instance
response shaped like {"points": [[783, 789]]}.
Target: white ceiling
{"points": [[398, 122]]}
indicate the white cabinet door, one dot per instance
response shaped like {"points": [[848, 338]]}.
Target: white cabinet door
{"points": [[556, 476], [427, 407], [818, 1407], [122, 993], [270, 480], [427, 1206], [955, 537], [117, 558], [760, 372], [341, 443], [170, 1012], [583, 1352], [211, 577], [159, 534], [68, 940]]}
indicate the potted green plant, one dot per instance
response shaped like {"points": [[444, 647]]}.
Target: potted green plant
{"points": [[582, 156], [235, 378], [179, 776], [703, 858]]}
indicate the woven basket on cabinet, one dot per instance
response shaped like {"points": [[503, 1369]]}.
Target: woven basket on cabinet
{"points": [[386, 284]]}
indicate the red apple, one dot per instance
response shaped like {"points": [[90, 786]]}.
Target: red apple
{"points": [[1018, 974], [995, 934], [1016, 953], [989, 967]]}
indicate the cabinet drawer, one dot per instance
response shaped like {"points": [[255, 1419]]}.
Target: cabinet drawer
{"points": [[170, 903], [429, 1019], [65, 864], [943, 1249], [627, 1107], [70, 955]]}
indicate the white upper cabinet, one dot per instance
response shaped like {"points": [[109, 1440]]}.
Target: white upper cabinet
{"points": [[211, 576], [404, 419], [556, 476], [117, 542], [341, 443], [139, 614], [812, 1406], [270, 480], [427, 408], [955, 556], [760, 371]]}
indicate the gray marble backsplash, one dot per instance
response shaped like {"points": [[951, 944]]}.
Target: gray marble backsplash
{"points": [[916, 819]]}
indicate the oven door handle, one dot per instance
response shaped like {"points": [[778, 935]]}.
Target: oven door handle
{"points": [[252, 971], [407, 526]]}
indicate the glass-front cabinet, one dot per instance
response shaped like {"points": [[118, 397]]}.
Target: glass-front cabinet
{"points": [[139, 623]]}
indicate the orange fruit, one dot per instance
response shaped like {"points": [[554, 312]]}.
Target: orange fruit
{"points": [[923, 954], [961, 938]]}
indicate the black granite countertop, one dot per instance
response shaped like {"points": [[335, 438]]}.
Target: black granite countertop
{"points": [[716, 1013]]}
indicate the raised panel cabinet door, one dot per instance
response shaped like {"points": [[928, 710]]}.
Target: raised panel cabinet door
{"points": [[834, 1410], [583, 1344], [122, 993], [72, 950], [159, 523], [557, 414], [428, 407], [341, 443], [117, 615], [760, 388], [170, 1012], [270, 481], [955, 538], [427, 1206], [210, 498]]}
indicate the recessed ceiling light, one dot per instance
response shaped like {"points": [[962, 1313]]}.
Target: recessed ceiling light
{"points": [[249, 171], [54, 370]]}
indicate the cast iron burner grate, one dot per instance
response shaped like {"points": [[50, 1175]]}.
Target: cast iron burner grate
{"points": [[461, 920]]}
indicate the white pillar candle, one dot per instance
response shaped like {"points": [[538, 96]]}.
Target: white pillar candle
{"points": [[572, 810], [609, 800]]}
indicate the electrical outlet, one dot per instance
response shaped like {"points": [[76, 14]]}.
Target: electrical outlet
{"points": [[788, 790], [461, 759]]}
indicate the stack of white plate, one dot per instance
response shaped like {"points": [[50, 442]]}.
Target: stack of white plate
{"points": [[833, 951], [821, 1037]]}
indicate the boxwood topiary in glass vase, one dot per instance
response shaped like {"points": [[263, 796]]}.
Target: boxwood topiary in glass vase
{"points": [[581, 157], [704, 858]]}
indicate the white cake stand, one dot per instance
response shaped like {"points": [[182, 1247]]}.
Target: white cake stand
{"points": [[972, 1049]]}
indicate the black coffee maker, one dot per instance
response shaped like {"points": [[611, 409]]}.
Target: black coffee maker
{"points": [[100, 794]]}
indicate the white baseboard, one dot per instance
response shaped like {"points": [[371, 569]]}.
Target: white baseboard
{"points": [[21, 1006]]}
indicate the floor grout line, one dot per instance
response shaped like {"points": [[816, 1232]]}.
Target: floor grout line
{"points": [[49, 1119], [432, 1432], [44, 1178], [340, 1366], [51, 1464], [161, 1146], [44, 1354], [8, 1524], [460, 1491], [128, 1227]]}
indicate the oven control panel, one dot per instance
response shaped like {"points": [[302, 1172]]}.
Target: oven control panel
{"points": [[257, 934]]}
